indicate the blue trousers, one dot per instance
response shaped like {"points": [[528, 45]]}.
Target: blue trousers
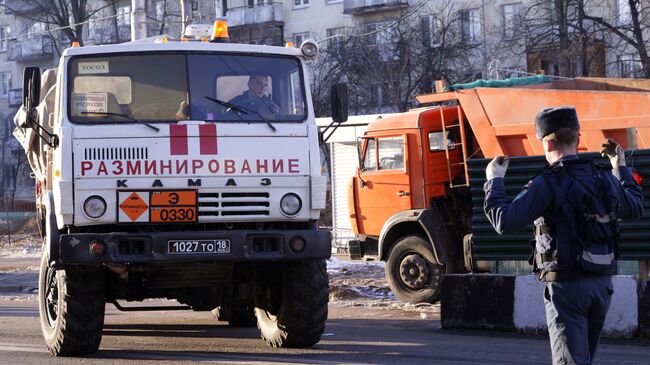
{"points": [[575, 313]]}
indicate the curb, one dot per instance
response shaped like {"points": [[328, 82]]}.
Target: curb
{"points": [[18, 282]]}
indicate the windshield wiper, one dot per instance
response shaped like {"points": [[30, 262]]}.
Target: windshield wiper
{"points": [[124, 116], [241, 109], [227, 105]]}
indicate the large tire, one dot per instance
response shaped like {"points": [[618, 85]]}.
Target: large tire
{"points": [[71, 303], [238, 314], [412, 271], [299, 311]]}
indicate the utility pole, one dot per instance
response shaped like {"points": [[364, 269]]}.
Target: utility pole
{"points": [[138, 20], [186, 14], [486, 71]]}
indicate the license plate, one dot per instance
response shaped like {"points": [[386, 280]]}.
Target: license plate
{"points": [[180, 247]]}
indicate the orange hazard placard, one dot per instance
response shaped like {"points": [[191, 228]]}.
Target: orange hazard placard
{"points": [[173, 214], [134, 206], [173, 198]]}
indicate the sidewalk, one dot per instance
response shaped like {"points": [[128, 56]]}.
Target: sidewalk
{"points": [[18, 275]]}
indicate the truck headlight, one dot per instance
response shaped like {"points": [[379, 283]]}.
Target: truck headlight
{"points": [[290, 204], [94, 207]]}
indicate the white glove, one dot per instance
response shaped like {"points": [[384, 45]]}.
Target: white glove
{"points": [[615, 153], [497, 167]]}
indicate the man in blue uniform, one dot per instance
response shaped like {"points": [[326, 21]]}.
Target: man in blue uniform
{"points": [[255, 98], [575, 207]]}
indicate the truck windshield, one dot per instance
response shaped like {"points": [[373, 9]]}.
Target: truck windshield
{"points": [[171, 87]]}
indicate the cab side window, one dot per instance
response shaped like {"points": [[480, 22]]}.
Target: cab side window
{"points": [[437, 142], [391, 153], [370, 159]]}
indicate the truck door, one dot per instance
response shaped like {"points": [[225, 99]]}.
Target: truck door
{"points": [[385, 187]]}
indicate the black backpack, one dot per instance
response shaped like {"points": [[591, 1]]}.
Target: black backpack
{"points": [[588, 204]]}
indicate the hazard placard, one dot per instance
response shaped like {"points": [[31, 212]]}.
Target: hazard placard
{"points": [[133, 206]]}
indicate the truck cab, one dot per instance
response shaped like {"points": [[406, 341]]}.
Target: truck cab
{"points": [[187, 170], [408, 164]]}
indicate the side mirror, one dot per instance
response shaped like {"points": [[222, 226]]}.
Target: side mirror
{"points": [[31, 87], [339, 96]]}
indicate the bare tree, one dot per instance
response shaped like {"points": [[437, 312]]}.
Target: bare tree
{"points": [[387, 62], [560, 33], [69, 15], [630, 26]]}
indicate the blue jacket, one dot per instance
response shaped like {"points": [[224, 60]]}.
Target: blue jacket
{"points": [[537, 203], [263, 105]]}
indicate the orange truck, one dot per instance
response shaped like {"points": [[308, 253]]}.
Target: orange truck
{"points": [[416, 200]]}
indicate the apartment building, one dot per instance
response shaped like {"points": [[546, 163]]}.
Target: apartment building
{"points": [[458, 40]]}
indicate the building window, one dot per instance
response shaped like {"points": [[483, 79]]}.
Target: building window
{"points": [[93, 29], [299, 38], [300, 3], [629, 66], [623, 13], [374, 97], [5, 78], [379, 94], [4, 31], [159, 7], [431, 26], [511, 17], [124, 15], [335, 39], [470, 26], [35, 29], [379, 33]]}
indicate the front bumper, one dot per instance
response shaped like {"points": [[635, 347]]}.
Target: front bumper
{"points": [[152, 247]]}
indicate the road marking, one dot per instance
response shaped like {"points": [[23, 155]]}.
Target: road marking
{"points": [[218, 358], [19, 347], [18, 312]]}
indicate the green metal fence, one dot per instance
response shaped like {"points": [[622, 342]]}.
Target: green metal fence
{"points": [[488, 245]]}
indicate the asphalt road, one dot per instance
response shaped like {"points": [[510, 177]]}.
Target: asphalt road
{"points": [[354, 335]]}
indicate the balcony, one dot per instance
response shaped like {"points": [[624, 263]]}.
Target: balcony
{"points": [[27, 49], [360, 7], [22, 7], [257, 14]]}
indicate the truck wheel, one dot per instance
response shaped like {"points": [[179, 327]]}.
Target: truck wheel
{"points": [[71, 304], [412, 271], [293, 312], [237, 314]]}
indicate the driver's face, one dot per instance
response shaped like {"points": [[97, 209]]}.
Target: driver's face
{"points": [[258, 85]]}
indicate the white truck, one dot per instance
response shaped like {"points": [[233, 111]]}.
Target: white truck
{"points": [[151, 183]]}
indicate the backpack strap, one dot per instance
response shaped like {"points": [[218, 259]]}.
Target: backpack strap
{"points": [[612, 213]]}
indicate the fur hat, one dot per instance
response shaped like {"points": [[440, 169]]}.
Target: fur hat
{"points": [[549, 120]]}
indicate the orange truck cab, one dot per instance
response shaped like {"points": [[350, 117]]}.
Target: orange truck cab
{"points": [[411, 202]]}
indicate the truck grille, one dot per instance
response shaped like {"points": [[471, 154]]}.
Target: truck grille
{"points": [[116, 153], [233, 204]]}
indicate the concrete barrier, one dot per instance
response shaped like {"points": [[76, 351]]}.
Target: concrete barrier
{"points": [[482, 302], [644, 309], [477, 301]]}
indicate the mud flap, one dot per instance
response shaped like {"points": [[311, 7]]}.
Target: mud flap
{"points": [[443, 247], [52, 235]]}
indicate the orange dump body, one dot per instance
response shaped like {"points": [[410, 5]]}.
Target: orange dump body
{"points": [[493, 122], [502, 119]]}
